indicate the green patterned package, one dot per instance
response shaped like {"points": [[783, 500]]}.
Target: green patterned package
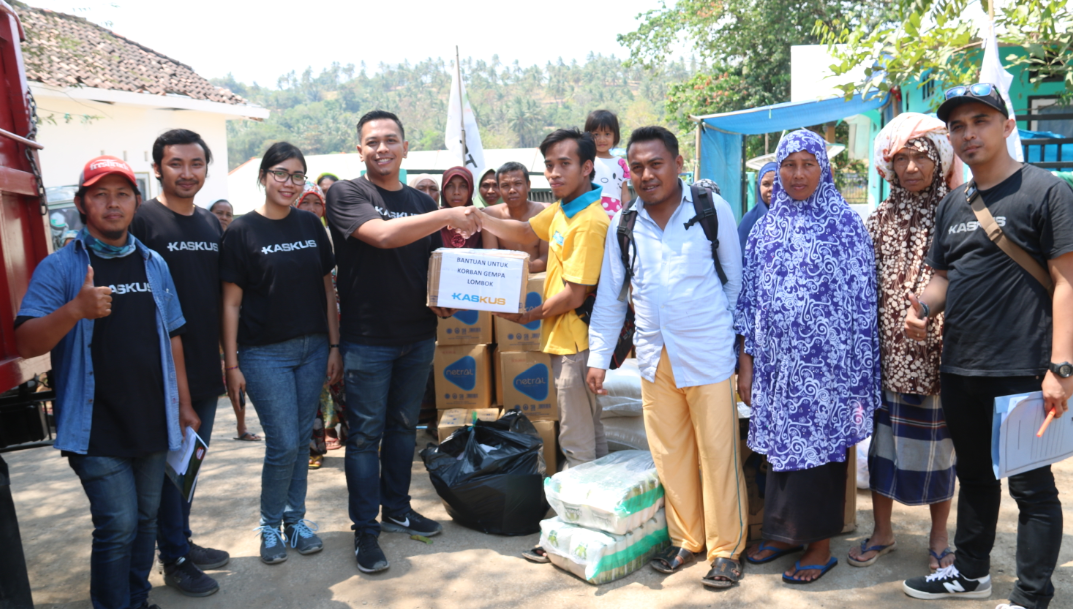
{"points": [[599, 557], [616, 493]]}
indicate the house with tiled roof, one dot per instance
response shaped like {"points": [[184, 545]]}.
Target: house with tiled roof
{"points": [[98, 92]]}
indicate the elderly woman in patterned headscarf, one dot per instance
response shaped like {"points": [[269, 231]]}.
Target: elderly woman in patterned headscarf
{"points": [[809, 364], [911, 459]]}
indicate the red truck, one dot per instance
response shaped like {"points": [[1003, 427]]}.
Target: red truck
{"points": [[24, 241]]}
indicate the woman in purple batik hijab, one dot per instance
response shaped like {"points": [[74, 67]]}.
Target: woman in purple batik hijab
{"points": [[809, 364]]}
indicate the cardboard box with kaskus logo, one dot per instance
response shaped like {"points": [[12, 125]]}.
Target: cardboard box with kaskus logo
{"points": [[528, 384], [463, 376], [456, 418], [465, 328], [478, 280], [516, 337]]}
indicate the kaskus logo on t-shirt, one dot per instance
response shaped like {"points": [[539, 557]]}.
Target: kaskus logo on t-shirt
{"points": [[968, 227], [193, 246], [288, 247], [388, 215], [129, 288]]}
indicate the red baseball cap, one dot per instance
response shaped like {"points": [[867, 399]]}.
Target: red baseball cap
{"points": [[105, 165]]}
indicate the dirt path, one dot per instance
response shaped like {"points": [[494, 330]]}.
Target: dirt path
{"points": [[462, 569]]}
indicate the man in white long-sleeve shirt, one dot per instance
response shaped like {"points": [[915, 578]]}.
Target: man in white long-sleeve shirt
{"points": [[685, 350]]}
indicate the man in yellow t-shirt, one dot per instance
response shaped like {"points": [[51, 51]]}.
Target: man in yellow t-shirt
{"points": [[574, 227]]}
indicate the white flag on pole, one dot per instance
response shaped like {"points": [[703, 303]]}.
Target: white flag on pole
{"points": [[459, 112], [991, 71]]}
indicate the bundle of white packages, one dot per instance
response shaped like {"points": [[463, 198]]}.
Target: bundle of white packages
{"points": [[623, 387], [599, 557], [616, 493]]}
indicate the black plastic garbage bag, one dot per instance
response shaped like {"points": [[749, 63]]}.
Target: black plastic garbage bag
{"points": [[490, 476]]}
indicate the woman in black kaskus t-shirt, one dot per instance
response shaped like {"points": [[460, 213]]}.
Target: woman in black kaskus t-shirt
{"points": [[280, 335]]}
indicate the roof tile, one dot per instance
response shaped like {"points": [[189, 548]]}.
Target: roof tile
{"points": [[63, 50]]}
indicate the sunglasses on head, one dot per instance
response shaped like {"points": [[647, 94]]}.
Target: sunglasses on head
{"points": [[980, 89]]}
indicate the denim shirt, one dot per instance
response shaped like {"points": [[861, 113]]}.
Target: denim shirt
{"points": [[56, 281]]}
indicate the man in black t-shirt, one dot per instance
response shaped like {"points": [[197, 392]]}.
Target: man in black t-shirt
{"points": [[105, 307], [1004, 334], [384, 232], [188, 238]]}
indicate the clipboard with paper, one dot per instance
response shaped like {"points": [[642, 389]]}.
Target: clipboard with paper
{"points": [[183, 466], [1014, 445]]}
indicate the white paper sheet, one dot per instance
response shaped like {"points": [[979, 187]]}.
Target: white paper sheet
{"points": [[179, 460], [1015, 447]]}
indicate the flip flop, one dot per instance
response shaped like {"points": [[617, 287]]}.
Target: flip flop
{"points": [[248, 437], [538, 555], [798, 567], [865, 548], [778, 553], [939, 557]]}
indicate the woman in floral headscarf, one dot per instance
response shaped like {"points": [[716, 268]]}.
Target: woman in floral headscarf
{"points": [[911, 459], [809, 364]]}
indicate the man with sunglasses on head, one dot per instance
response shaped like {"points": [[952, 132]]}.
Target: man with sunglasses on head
{"points": [[1005, 333], [187, 237]]}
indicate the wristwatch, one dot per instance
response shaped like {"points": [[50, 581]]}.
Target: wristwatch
{"points": [[1063, 370]]}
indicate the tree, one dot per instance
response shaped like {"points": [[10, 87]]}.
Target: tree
{"points": [[743, 47], [927, 40]]}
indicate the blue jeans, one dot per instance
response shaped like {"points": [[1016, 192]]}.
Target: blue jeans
{"points": [[173, 520], [283, 381], [124, 495], [384, 387]]}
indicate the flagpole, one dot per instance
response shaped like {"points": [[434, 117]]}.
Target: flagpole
{"points": [[461, 105]]}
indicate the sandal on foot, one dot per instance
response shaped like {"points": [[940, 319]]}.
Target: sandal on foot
{"points": [[332, 443], [939, 557], [672, 559], [316, 462], [798, 567], [865, 548], [725, 573], [778, 553], [248, 437], [537, 555]]}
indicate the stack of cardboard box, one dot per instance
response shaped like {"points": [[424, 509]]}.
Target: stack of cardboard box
{"points": [[463, 371], [523, 374]]}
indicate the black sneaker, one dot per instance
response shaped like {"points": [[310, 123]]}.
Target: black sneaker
{"points": [[412, 523], [184, 576], [367, 552], [947, 583], [207, 558]]}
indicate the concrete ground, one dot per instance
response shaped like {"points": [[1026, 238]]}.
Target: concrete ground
{"points": [[462, 569]]}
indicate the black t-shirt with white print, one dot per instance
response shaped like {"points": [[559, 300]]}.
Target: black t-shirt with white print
{"points": [[280, 266], [382, 292], [129, 413], [191, 247], [998, 317]]}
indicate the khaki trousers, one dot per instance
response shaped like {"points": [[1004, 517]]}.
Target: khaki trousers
{"points": [[687, 428], [581, 432]]}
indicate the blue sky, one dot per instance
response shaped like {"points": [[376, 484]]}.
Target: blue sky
{"points": [[258, 41]]}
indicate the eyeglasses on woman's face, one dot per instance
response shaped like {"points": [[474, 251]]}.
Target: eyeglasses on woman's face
{"points": [[281, 175]]}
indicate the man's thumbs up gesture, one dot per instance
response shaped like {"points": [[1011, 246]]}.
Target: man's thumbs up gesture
{"points": [[93, 302]]}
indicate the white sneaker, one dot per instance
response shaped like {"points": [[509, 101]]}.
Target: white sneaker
{"points": [[1009, 606]]}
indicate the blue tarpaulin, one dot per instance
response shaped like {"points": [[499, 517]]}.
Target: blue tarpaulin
{"points": [[722, 135]]}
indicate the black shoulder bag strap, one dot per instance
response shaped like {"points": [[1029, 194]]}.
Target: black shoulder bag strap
{"points": [[626, 222], [709, 221]]}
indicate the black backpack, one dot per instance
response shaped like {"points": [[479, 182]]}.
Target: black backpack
{"points": [[705, 214]]}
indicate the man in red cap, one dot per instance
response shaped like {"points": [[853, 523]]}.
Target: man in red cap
{"points": [[106, 308]]}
